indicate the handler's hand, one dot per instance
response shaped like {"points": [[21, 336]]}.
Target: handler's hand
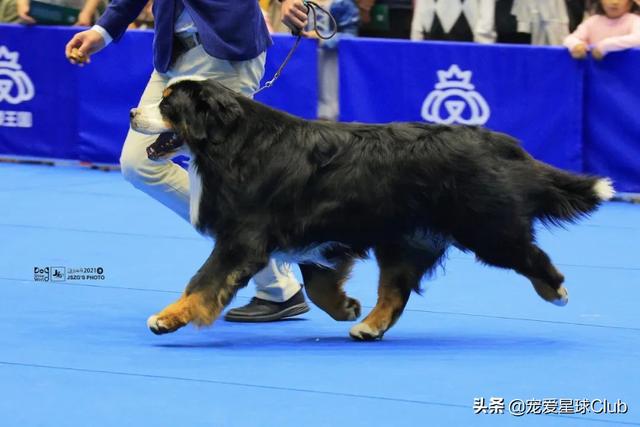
{"points": [[294, 14], [83, 45], [579, 51]]}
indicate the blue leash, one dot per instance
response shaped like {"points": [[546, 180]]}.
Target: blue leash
{"points": [[312, 8]]}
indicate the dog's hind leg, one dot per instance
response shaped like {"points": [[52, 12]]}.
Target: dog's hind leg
{"points": [[401, 268], [324, 287], [545, 278], [526, 258], [228, 269]]}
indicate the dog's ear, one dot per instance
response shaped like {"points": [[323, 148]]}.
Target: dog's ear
{"points": [[221, 104], [193, 124]]}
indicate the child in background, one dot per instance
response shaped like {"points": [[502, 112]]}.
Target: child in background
{"points": [[613, 27], [347, 17]]}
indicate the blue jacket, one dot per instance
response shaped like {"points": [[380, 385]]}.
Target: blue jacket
{"points": [[229, 29]]}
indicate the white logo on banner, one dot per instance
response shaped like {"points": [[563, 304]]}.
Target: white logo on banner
{"points": [[15, 85], [462, 104]]}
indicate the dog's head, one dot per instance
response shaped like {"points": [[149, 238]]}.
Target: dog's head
{"points": [[197, 110]]}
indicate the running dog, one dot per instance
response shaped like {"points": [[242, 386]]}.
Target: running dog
{"points": [[267, 184]]}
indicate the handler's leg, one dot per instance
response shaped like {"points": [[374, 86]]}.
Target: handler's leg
{"points": [[163, 180], [278, 296]]}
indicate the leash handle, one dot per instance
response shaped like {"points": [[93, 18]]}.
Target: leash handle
{"points": [[312, 8]]}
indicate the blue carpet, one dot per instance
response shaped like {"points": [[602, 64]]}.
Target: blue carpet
{"points": [[79, 354]]}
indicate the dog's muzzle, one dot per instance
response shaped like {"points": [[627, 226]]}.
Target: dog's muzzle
{"points": [[148, 121]]}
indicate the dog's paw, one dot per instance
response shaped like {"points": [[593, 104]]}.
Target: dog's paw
{"points": [[562, 297], [352, 308], [559, 297], [163, 325], [349, 311], [364, 332]]}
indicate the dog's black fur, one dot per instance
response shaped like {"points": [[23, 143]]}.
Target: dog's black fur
{"points": [[274, 182]]}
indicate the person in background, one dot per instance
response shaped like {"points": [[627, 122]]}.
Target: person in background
{"points": [[86, 17], [447, 20], [546, 20], [615, 26], [274, 20], [576, 10], [9, 12], [23, 7], [89, 13], [385, 18], [497, 24], [144, 21], [347, 17]]}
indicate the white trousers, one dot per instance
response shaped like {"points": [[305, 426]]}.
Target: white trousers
{"points": [[168, 183]]}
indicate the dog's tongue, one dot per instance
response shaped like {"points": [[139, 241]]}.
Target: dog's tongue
{"points": [[164, 144]]}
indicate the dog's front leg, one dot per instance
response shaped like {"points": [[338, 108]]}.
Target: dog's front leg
{"points": [[228, 269]]}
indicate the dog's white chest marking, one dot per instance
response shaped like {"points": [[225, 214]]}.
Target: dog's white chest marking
{"points": [[195, 193]]}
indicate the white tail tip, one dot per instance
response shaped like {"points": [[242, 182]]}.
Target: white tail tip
{"points": [[604, 189]]}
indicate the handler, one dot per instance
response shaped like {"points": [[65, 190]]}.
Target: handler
{"points": [[221, 39]]}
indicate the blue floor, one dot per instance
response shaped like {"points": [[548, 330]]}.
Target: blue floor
{"points": [[79, 354]]}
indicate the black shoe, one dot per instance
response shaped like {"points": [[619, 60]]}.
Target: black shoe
{"points": [[260, 310]]}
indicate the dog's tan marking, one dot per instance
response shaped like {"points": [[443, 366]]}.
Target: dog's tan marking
{"points": [[401, 268], [391, 302], [166, 92], [324, 288], [201, 307]]}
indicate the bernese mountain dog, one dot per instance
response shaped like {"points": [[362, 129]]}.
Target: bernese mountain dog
{"points": [[267, 184]]}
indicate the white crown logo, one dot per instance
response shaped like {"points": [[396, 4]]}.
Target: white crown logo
{"points": [[454, 100], [15, 85], [9, 59], [453, 77]]}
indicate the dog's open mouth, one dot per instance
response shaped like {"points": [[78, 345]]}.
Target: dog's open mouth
{"points": [[166, 143]]}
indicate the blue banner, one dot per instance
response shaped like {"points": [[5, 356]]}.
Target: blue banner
{"points": [[612, 126], [532, 93], [107, 89], [38, 94], [54, 110]]}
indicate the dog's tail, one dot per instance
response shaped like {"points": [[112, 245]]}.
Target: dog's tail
{"points": [[569, 197]]}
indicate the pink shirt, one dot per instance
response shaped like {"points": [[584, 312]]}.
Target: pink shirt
{"points": [[607, 34]]}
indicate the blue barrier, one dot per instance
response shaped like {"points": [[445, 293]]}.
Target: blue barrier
{"points": [[506, 88], [612, 125], [38, 94], [52, 109], [578, 115]]}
